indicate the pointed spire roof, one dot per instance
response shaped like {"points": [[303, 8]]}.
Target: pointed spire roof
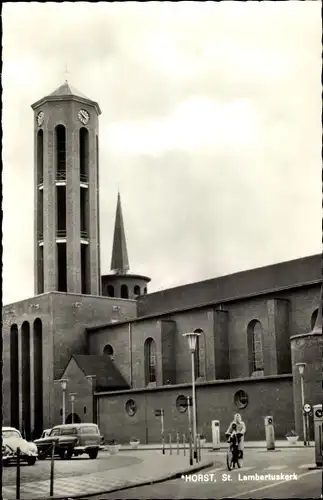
{"points": [[119, 260], [67, 92], [318, 323], [67, 89]]}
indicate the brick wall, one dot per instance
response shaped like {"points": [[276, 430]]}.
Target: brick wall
{"points": [[269, 396]]}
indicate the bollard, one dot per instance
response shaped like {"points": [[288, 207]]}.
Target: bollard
{"points": [[51, 490], [177, 442], [191, 448], [18, 475], [270, 433], [184, 445], [318, 433], [170, 444], [198, 448]]}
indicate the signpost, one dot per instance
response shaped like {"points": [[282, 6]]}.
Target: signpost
{"points": [[160, 413], [189, 405]]}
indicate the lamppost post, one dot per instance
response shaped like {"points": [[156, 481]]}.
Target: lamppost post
{"points": [[301, 367], [63, 382], [72, 396], [192, 338]]}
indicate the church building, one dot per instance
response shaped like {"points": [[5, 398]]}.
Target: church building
{"points": [[100, 348]]}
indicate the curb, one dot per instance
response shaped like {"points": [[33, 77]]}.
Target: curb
{"points": [[173, 475]]}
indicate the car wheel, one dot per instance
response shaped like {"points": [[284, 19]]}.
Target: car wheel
{"points": [[69, 455], [31, 460], [42, 456], [93, 454], [61, 454]]}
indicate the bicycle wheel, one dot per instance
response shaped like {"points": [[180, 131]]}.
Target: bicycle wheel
{"points": [[230, 463]]}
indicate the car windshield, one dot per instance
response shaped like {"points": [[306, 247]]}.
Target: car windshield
{"points": [[10, 433], [89, 429]]}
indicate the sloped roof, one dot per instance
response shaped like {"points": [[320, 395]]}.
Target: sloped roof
{"points": [[106, 373], [67, 89]]}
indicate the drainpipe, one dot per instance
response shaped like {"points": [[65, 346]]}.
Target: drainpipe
{"points": [[130, 353]]}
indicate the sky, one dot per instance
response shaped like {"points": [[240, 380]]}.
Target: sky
{"points": [[210, 129]]}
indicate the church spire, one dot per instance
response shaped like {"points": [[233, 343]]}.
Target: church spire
{"points": [[119, 260]]}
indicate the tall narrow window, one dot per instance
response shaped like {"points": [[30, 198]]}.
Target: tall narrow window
{"points": [[84, 269], [110, 290], [40, 157], [150, 360], [14, 376], [84, 155], [197, 358], [84, 211], [61, 267], [255, 347], [124, 292], [40, 215], [38, 378], [61, 211], [40, 269], [136, 290], [25, 369], [98, 207], [60, 152]]}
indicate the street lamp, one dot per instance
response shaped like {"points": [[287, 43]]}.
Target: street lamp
{"points": [[192, 339], [301, 367], [72, 396], [63, 382]]}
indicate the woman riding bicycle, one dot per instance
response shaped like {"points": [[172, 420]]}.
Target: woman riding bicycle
{"points": [[239, 427]]}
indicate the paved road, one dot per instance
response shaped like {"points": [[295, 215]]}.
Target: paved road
{"points": [[237, 484], [66, 468]]}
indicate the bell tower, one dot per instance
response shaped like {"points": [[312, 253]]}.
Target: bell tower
{"points": [[66, 181]]}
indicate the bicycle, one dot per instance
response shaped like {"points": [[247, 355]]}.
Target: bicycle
{"points": [[234, 455]]}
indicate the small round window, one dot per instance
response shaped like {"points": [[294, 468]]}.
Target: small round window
{"points": [[131, 407], [241, 399], [181, 404]]}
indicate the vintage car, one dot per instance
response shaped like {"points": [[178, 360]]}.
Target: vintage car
{"points": [[11, 441], [70, 439]]}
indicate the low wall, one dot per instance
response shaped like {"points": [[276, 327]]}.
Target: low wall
{"points": [[215, 401]]}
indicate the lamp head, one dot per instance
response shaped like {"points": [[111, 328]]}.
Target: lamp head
{"points": [[63, 382], [192, 339], [301, 367]]}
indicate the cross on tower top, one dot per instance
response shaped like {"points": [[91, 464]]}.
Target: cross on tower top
{"points": [[66, 72]]}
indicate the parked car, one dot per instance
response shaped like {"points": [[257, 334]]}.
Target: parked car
{"points": [[71, 439], [11, 441], [45, 433]]}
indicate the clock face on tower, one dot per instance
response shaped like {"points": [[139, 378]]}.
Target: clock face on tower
{"points": [[40, 118], [83, 116]]}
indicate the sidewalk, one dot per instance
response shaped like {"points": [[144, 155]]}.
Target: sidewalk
{"points": [[279, 444], [153, 468]]}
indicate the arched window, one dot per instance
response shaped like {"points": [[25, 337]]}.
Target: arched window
{"points": [[150, 360], [40, 157], [197, 353], [136, 290], [255, 347], [313, 318], [60, 152], [124, 292], [14, 376], [38, 376], [110, 290], [84, 155], [108, 351], [145, 290]]}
